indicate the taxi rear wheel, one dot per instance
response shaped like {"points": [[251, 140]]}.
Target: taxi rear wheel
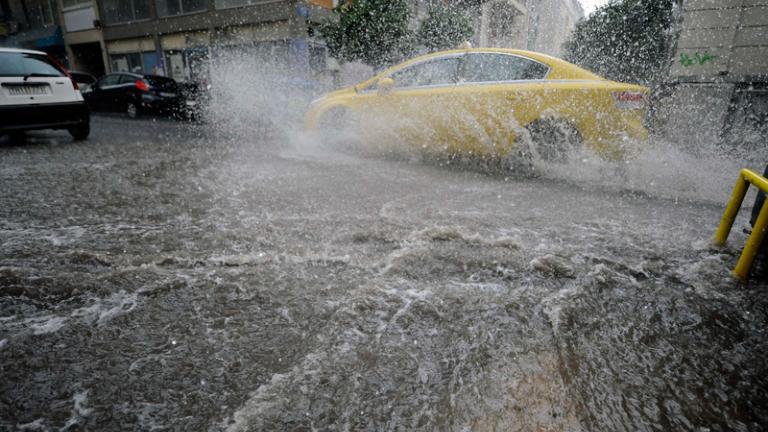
{"points": [[554, 140]]}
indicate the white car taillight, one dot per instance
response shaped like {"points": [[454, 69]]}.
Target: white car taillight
{"points": [[629, 100], [64, 71]]}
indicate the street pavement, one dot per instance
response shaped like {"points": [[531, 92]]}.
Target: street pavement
{"points": [[164, 275]]}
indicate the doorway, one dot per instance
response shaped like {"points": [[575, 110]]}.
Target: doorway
{"points": [[88, 58]]}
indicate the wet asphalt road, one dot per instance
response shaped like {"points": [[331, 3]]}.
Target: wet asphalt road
{"points": [[167, 276]]}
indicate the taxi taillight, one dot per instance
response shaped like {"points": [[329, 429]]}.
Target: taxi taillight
{"points": [[629, 100]]}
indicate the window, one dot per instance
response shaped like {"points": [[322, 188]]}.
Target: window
{"points": [[48, 11], [42, 13], [433, 72], [145, 62], [179, 7], [501, 67], [190, 64], [127, 79], [223, 4], [162, 83], [74, 4], [20, 64], [123, 11], [127, 62], [109, 80]]}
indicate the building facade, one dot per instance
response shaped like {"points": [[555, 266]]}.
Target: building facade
{"points": [[535, 25], [718, 79], [32, 24], [83, 36], [176, 38]]}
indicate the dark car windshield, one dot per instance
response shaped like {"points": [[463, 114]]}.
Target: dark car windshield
{"points": [[161, 83], [22, 64]]}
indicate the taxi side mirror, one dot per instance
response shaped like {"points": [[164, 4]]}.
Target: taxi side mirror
{"points": [[385, 85]]}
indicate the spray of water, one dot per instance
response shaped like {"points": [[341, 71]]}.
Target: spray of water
{"points": [[256, 97]]}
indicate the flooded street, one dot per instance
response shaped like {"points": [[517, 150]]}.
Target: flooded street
{"points": [[161, 276]]}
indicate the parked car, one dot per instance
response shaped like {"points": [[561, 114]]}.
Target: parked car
{"points": [[135, 94], [37, 93], [83, 79], [478, 101]]}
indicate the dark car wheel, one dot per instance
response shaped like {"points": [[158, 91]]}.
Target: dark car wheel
{"points": [[554, 139], [80, 132], [132, 110]]}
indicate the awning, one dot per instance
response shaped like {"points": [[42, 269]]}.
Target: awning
{"points": [[36, 38], [54, 39]]}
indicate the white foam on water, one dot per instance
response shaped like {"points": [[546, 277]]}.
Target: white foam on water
{"points": [[261, 401], [148, 415], [101, 311], [36, 425], [79, 410], [46, 324], [552, 265]]}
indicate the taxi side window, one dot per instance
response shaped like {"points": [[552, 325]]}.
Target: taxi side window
{"points": [[429, 73], [488, 67]]}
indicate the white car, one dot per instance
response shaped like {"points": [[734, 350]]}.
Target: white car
{"points": [[38, 93]]}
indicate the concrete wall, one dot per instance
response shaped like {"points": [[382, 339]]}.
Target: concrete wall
{"points": [[722, 41], [718, 84]]}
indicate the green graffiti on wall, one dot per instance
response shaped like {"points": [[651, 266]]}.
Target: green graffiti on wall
{"points": [[697, 59]]}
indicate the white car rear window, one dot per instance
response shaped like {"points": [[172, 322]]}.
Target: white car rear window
{"points": [[23, 64]]}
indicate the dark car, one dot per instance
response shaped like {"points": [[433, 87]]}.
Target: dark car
{"points": [[135, 94]]}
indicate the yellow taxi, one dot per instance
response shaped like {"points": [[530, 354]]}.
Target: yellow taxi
{"points": [[485, 101]]}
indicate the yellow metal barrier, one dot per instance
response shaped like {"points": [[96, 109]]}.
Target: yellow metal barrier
{"points": [[758, 231]]}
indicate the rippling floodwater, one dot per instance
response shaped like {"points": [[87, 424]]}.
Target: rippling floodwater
{"points": [[158, 277]]}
